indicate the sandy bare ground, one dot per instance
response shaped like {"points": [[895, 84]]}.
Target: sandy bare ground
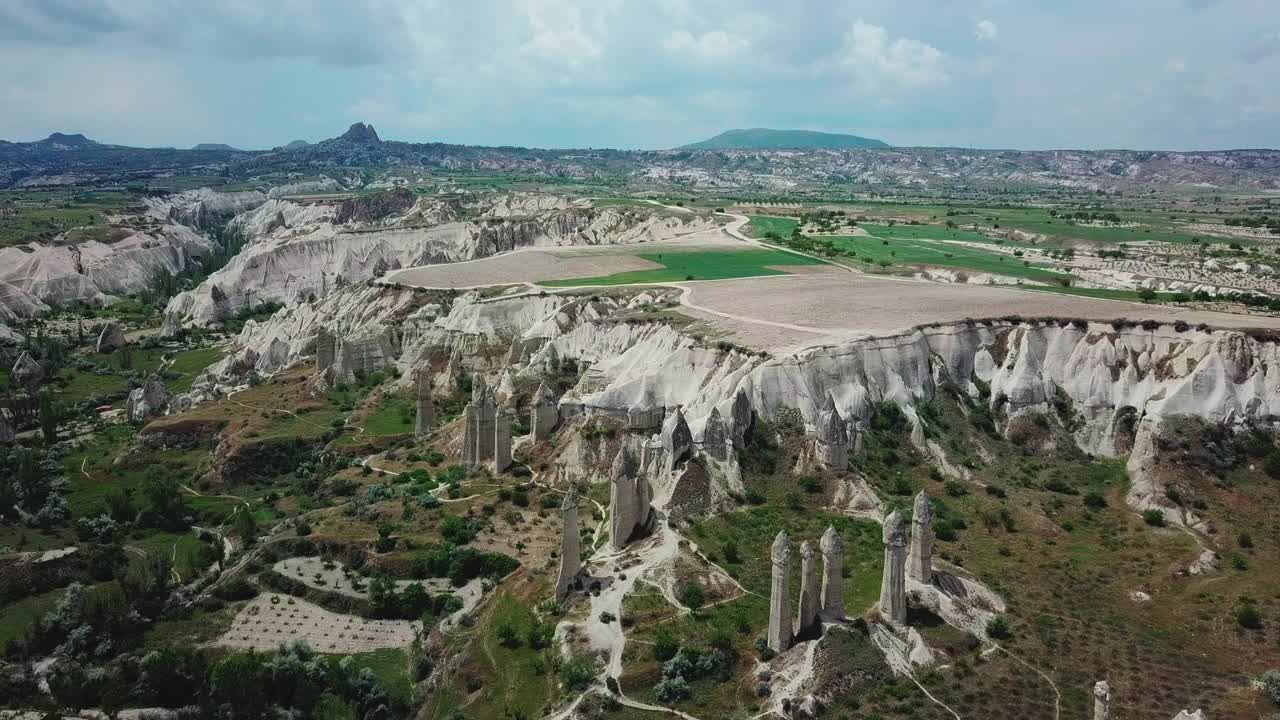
{"points": [[787, 312], [262, 625], [556, 263]]}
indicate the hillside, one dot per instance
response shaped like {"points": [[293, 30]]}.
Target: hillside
{"points": [[766, 139]]}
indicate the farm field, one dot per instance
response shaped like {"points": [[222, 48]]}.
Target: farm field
{"points": [[682, 266]]}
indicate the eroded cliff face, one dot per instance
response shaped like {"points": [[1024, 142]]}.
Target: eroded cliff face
{"points": [[1119, 383], [165, 238], [303, 251]]}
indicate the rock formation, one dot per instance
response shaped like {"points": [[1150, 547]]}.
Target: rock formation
{"points": [[715, 438], [859, 441], [150, 400], [1188, 715], [920, 555], [570, 553], [831, 445], [741, 418], [832, 578], [677, 440], [807, 615], [479, 432], [501, 442], [893, 587], [629, 501], [469, 459], [1101, 700], [545, 414], [27, 373], [425, 420], [486, 422], [8, 428], [110, 338], [326, 351], [779, 595]]}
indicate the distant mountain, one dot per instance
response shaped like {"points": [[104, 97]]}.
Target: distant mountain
{"points": [[766, 139], [296, 144], [62, 141], [215, 146]]}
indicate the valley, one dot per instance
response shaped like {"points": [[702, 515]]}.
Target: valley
{"points": [[413, 439]]}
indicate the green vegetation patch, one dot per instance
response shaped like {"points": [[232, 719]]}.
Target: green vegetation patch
{"points": [[709, 265]]}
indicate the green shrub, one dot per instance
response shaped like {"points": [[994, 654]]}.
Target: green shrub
{"points": [[1154, 517], [998, 627]]}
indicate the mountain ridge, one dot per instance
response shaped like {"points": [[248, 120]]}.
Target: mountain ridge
{"points": [[771, 139]]}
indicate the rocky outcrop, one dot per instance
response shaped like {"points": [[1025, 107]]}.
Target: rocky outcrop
{"points": [[630, 510], [424, 407], [545, 413], [1103, 373], [111, 338], [893, 588], [807, 615], [715, 437], [831, 443], [677, 440], [570, 552], [27, 373], [149, 401], [832, 600], [1101, 700], [780, 627], [502, 442], [920, 555]]}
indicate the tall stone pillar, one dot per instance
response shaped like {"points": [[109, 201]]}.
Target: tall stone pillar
{"points": [[893, 585], [501, 442], [622, 500], [715, 437], [859, 442], [832, 442], [469, 459], [486, 417], [677, 439], [809, 592], [741, 417], [570, 553], [832, 579], [545, 413], [326, 349], [780, 595], [426, 409], [1101, 700], [920, 556]]}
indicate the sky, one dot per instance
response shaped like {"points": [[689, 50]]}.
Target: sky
{"points": [[1023, 74]]}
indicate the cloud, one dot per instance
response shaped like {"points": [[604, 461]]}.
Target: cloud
{"points": [[715, 45], [1265, 48], [877, 63], [1176, 65], [985, 30]]}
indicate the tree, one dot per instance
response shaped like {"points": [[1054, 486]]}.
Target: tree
{"points": [[1146, 294], [163, 495], [50, 416], [692, 596]]}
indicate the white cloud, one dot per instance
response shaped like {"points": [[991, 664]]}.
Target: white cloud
{"points": [[714, 45], [985, 30], [878, 64]]}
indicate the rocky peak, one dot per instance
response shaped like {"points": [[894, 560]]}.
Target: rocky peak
{"points": [[68, 142], [361, 133]]}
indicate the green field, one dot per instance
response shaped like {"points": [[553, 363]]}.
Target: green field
{"points": [[697, 265], [43, 215], [780, 226], [22, 615], [939, 254]]}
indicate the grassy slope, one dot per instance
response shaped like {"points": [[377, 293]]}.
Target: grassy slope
{"points": [[712, 265], [22, 615]]}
